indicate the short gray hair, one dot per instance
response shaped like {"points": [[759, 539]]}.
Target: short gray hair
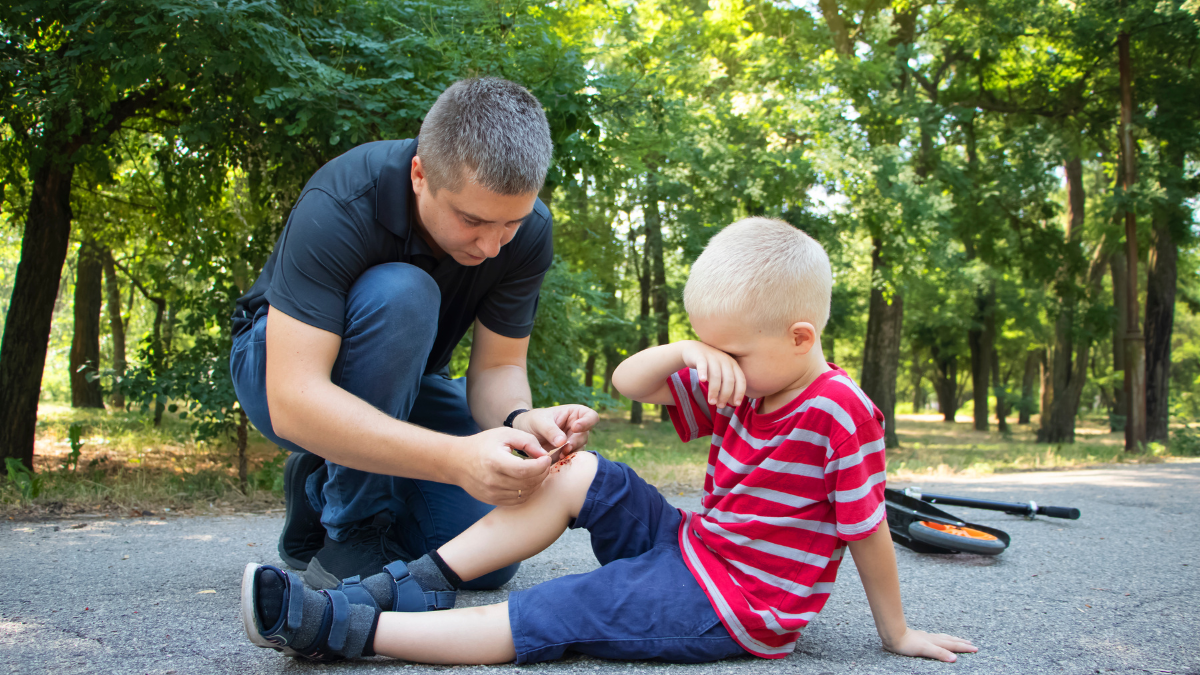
{"points": [[492, 128]]}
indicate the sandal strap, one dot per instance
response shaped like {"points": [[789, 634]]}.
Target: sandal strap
{"points": [[294, 591], [340, 620], [356, 593], [435, 600], [408, 596]]}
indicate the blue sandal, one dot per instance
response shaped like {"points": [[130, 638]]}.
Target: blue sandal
{"points": [[335, 624], [407, 595]]}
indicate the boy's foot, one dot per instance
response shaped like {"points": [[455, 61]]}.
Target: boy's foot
{"points": [[365, 551], [279, 613], [302, 535]]}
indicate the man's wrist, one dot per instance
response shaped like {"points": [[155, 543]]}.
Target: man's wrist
{"points": [[512, 417]]}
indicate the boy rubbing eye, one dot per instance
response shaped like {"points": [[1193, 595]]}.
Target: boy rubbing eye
{"points": [[795, 476]]}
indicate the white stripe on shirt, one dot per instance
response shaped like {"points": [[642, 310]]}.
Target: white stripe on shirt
{"points": [[722, 606]]}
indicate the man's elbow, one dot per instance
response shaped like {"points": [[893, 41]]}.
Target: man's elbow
{"points": [[282, 409]]}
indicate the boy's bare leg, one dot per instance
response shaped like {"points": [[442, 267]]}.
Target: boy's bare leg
{"points": [[479, 635], [512, 533], [470, 635]]}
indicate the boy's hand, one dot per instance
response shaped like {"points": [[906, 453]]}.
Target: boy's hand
{"points": [[929, 645], [726, 382]]}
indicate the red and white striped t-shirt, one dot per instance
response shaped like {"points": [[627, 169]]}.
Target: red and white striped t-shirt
{"points": [[784, 493]]}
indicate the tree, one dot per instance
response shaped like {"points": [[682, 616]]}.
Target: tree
{"points": [[72, 74]]}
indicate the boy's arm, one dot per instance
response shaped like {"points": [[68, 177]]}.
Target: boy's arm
{"points": [[875, 559], [643, 376]]}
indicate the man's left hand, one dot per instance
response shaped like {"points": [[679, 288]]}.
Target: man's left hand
{"points": [[560, 424]]}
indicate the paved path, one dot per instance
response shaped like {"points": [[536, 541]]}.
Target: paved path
{"points": [[1117, 591]]}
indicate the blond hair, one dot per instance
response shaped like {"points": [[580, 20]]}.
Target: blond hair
{"points": [[763, 271]]}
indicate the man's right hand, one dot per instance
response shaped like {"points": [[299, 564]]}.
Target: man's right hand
{"points": [[491, 473]]}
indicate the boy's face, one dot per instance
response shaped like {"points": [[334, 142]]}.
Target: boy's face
{"points": [[771, 361]]}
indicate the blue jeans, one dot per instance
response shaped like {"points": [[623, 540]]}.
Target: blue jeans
{"points": [[643, 603], [391, 322]]}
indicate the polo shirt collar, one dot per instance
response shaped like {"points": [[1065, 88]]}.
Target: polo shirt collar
{"points": [[394, 193]]}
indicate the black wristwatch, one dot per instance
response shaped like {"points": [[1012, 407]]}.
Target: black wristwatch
{"points": [[508, 421]]}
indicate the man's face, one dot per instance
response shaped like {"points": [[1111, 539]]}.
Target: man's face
{"points": [[469, 225]]}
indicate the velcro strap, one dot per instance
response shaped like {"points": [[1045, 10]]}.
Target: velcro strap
{"points": [[356, 594], [340, 624], [295, 601], [435, 600], [407, 595]]}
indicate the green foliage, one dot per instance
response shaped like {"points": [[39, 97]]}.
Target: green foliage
{"points": [[27, 482], [74, 437], [568, 307], [1185, 442]]}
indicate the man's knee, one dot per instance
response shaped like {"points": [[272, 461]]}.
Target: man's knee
{"points": [[399, 298]]}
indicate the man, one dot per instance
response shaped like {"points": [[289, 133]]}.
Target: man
{"points": [[341, 347]]}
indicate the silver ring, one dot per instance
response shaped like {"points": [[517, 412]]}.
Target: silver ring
{"points": [[518, 494]]}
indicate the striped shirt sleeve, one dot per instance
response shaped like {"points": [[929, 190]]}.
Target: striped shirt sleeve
{"points": [[691, 414], [855, 476]]}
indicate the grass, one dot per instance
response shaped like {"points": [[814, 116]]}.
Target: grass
{"points": [[128, 466]]}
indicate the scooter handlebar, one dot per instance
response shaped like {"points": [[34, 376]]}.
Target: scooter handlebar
{"points": [[1067, 512]]}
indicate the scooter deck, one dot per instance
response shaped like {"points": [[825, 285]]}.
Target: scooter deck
{"points": [[903, 511]]}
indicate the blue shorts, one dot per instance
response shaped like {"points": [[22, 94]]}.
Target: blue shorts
{"points": [[643, 604]]}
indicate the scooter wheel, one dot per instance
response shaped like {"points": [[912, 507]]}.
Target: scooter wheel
{"points": [[964, 539]]}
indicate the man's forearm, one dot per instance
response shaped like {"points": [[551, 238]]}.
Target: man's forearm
{"points": [[493, 393], [344, 429], [875, 558]]}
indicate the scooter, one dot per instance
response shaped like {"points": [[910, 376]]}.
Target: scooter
{"points": [[917, 525]]}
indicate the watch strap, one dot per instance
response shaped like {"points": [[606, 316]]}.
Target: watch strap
{"points": [[508, 421]]}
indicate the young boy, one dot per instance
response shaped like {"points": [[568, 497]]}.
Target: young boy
{"points": [[795, 473]]}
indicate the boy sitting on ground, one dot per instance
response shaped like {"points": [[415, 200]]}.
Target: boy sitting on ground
{"points": [[795, 474]]}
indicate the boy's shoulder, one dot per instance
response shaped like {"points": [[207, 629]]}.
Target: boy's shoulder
{"points": [[838, 400]]}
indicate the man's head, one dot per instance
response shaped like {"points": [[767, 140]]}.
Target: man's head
{"points": [[760, 291], [482, 158]]}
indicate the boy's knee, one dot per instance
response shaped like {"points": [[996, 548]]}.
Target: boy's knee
{"points": [[571, 477]]}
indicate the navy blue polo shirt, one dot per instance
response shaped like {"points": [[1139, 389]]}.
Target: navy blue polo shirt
{"points": [[355, 213]]}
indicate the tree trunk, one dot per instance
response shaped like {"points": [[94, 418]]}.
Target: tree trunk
{"points": [[117, 325], [635, 409], [158, 356], [881, 350], [1033, 362], [654, 249], [945, 382], [999, 385], [1120, 277], [610, 364], [1135, 345], [1160, 315], [242, 436], [31, 310], [85, 343], [982, 343], [1068, 361], [589, 371], [918, 374]]}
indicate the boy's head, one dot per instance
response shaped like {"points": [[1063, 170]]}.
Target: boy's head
{"points": [[763, 272], [760, 292]]}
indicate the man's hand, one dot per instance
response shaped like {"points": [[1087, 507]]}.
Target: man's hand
{"points": [[493, 475], [555, 426], [929, 645], [726, 382]]}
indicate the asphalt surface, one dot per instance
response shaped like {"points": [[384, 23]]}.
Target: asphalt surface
{"points": [[1116, 591]]}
